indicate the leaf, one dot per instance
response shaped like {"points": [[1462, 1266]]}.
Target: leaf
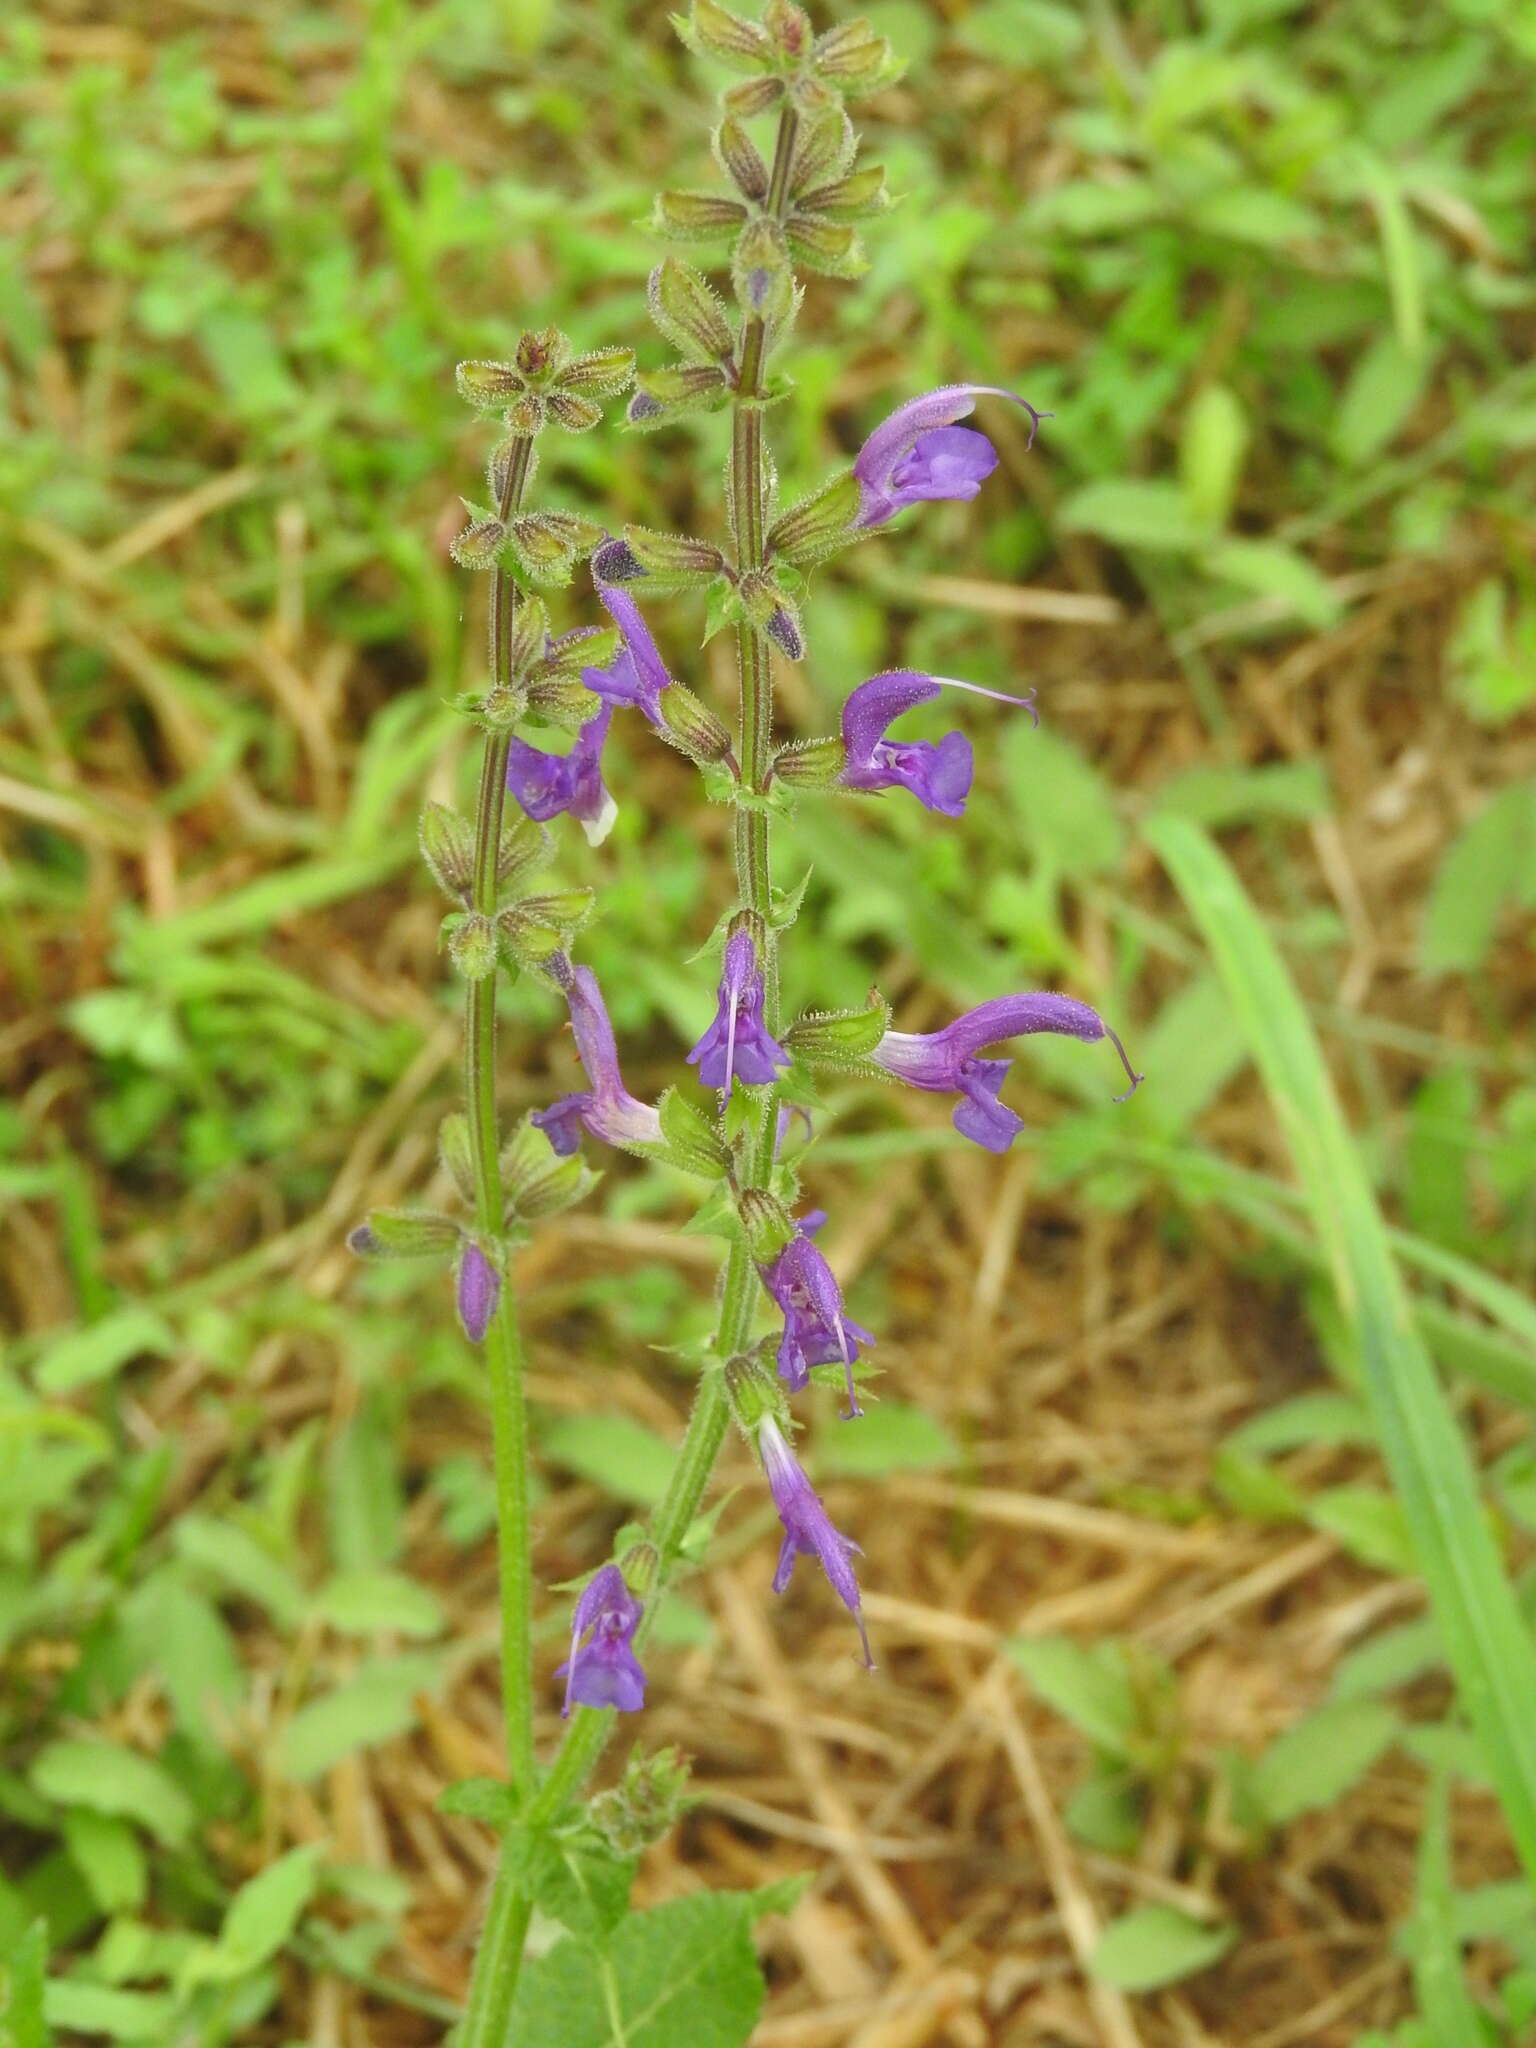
{"points": [[1435, 1953], [1269, 570], [84, 2008], [1156, 1945], [1134, 512], [231, 1554], [893, 1437], [1488, 1643], [1491, 863], [108, 1778], [1384, 388], [367, 1602], [613, 1452], [1324, 1418], [380, 1702], [261, 1919], [1220, 794], [80, 1358], [1369, 1523], [1212, 444], [579, 1882], [1317, 1761], [109, 1856], [1063, 803], [22, 1980], [1388, 1660], [1089, 1684], [684, 1973]]}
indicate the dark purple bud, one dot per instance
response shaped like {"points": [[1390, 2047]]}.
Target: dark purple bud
{"points": [[946, 1062], [606, 1109], [816, 1332], [808, 1530], [615, 562], [919, 453], [737, 1045], [548, 784], [937, 774], [604, 1671], [479, 1289]]}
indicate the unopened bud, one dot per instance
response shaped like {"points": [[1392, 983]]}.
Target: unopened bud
{"points": [[852, 198], [766, 1223], [741, 160], [525, 415], [688, 313], [524, 848], [693, 1142], [533, 931], [548, 544], [573, 412], [471, 944], [824, 150], [673, 561], [447, 844], [839, 1038], [527, 631], [753, 1392], [752, 97], [454, 1150], [480, 544], [487, 386], [789, 26], [855, 60], [646, 1804], [600, 372], [616, 562], [697, 216], [665, 395], [477, 1291], [828, 246], [761, 272], [772, 612], [404, 1234], [692, 727], [502, 707], [542, 352], [539, 1183], [819, 525], [712, 31], [810, 764]]}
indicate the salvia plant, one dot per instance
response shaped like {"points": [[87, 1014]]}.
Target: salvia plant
{"points": [[739, 1123]]}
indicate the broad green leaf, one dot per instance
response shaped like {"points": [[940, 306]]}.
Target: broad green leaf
{"points": [[1490, 865], [261, 1919], [108, 1778], [1370, 1524], [620, 1455], [1212, 444], [1388, 1660], [368, 1602], [685, 1973], [1064, 806], [23, 1978], [1383, 389], [579, 1882], [892, 1437], [1089, 1684], [1315, 1762], [82, 1357], [1270, 570], [1322, 1418], [1488, 1642], [364, 1510], [1134, 512], [1218, 794], [109, 1856], [83, 2008], [380, 1702], [230, 1554], [1156, 1945]]}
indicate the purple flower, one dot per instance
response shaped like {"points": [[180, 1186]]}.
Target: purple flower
{"points": [[479, 1288], [815, 1329], [808, 1530], [606, 1109], [938, 774], [946, 1061], [547, 784], [737, 1045], [919, 453], [637, 675], [604, 1672]]}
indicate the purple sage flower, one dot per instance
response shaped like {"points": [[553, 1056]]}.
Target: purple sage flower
{"points": [[547, 784], [920, 454], [479, 1289], [737, 1045], [808, 1530], [937, 773], [816, 1332], [637, 675], [946, 1061], [604, 1671], [607, 1109]]}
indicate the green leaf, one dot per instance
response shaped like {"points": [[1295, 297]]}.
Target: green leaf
{"points": [[83, 2008], [1134, 512], [380, 1702], [1489, 865], [1156, 1945], [261, 1919], [891, 1438], [109, 1856], [1317, 1761], [1212, 444], [232, 1555], [1323, 1418], [1487, 1641], [1370, 1524], [684, 1973], [23, 1976], [1384, 388], [579, 1882], [1064, 806], [108, 1778], [82, 1357], [491, 1800], [614, 1452], [1222, 794], [365, 1603], [1089, 1684], [1388, 1660], [1438, 1983], [1269, 570]]}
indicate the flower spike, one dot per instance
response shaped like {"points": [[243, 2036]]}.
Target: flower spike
{"points": [[547, 784], [920, 454], [808, 1530], [946, 1061], [737, 1046], [606, 1110], [604, 1671], [816, 1332]]}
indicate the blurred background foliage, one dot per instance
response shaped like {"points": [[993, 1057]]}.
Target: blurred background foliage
{"points": [[1269, 265]]}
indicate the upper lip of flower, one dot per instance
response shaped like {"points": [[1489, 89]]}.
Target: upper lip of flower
{"points": [[894, 438]]}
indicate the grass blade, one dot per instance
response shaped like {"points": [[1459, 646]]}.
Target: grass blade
{"points": [[1487, 1644]]}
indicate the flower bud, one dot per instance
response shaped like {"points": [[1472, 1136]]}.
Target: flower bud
{"points": [[524, 848], [711, 31], [600, 372], [741, 160], [752, 97], [827, 246], [477, 1291], [447, 843], [487, 386], [688, 313], [839, 1038], [771, 611], [855, 60], [525, 415], [665, 395], [404, 1234], [615, 562], [541, 353], [498, 469], [480, 544], [696, 216], [851, 198], [538, 1181], [646, 1804], [761, 273], [753, 1391], [820, 524], [789, 26], [559, 700], [549, 544], [533, 931], [692, 727], [693, 1142], [673, 561], [824, 149], [810, 764], [767, 1226], [471, 944], [454, 1150], [574, 413]]}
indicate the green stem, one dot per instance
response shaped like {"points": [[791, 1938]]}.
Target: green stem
{"points": [[590, 1727], [498, 1963]]}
